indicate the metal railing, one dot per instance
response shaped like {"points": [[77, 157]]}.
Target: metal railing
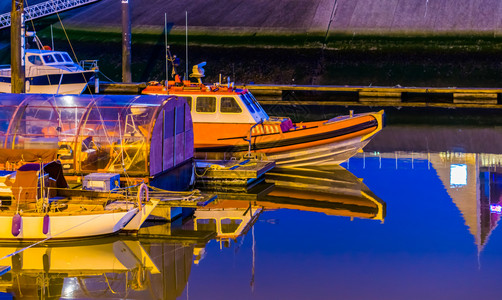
{"points": [[45, 9]]}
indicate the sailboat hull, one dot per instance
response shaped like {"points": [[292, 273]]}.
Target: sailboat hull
{"points": [[61, 83], [65, 226]]}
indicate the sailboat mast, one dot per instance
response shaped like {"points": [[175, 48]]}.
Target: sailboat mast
{"points": [[17, 32]]}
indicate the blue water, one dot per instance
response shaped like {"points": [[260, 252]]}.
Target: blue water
{"points": [[423, 249], [438, 240]]}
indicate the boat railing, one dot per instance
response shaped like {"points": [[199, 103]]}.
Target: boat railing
{"points": [[251, 136], [5, 70], [88, 65]]}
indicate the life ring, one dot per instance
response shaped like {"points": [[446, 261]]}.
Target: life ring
{"points": [[142, 188]]}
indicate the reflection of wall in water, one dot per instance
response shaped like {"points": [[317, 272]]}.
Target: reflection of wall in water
{"points": [[471, 180], [175, 263]]}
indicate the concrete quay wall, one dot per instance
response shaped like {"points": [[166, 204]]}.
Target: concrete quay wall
{"points": [[382, 17]]}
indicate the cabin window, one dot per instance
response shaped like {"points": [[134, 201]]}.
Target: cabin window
{"points": [[189, 101], [66, 57], [49, 59], [253, 101], [207, 225], [229, 105], [230, 225], [248, 105], [206, 104], [58, 57], [36, 60]]}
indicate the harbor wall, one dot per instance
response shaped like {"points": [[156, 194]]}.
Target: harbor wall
{"points": [[385, 17]]}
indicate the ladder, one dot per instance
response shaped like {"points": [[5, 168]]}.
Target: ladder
{"points": [[44, 9]]}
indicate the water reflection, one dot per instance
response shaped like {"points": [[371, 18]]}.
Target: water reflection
{"points": [[97, 268], [332, 191], [329, 223], [473, 181]]}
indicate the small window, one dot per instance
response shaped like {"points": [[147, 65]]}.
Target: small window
{"points": [[58, 57], [206, 104], [49, 59], [66, 57], [230, 225], [229, 105], [207, 224], [189, 101], [36, 60]]}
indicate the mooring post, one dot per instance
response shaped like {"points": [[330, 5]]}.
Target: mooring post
{"points": [[126, 41], [17, 47]]}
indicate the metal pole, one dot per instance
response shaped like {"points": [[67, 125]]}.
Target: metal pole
{"points": [[126, 42], [186, 44], [17, 47], [166, 46]]}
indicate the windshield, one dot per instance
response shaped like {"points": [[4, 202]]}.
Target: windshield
{"points": [[247, 103], [66, 57], [49, 59], [58, 57], [263, 115]]}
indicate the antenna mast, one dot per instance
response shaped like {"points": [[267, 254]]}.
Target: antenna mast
{"points": [[165, 42]]}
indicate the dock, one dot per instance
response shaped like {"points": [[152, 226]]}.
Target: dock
{"points": [[235, 175], [173, 205], [376, 96], [344, 95]]}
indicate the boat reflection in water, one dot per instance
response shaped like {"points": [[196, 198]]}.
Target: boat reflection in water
{"points": [[159, 264], [334, 191], [100, 268]]}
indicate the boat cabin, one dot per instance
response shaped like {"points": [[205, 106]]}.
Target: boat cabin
{"points": [[217, 103], [40, 61]]}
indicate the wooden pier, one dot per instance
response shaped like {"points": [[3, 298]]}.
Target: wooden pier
{"points": [[173, 205], [377, 96], [329, 95]]}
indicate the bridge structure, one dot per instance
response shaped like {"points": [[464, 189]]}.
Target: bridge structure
{"points": [[44, 9]]}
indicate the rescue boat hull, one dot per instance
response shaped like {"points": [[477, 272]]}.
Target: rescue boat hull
{"points": [[321, 143]]}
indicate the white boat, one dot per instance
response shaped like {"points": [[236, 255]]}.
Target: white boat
{"points": [[51, 72], [37, 204]]}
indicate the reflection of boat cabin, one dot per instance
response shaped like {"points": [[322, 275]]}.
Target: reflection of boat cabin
{"points": [[228, 223]]}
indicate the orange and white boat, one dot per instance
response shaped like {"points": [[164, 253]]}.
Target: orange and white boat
{"points": [[229, 122]]}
